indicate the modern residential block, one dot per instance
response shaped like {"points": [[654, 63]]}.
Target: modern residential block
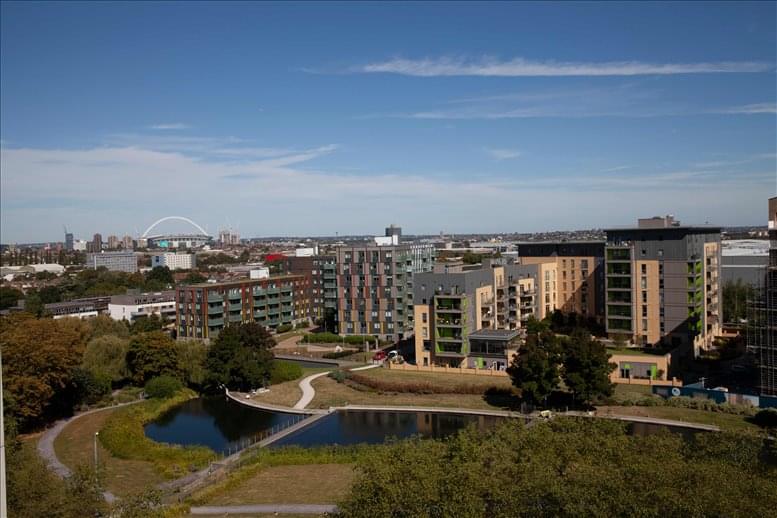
{"points": [[579, 271], [662, 283], [322, 282], [374, 283], [204, 309], [174, 261], [113, 261], [762, 315], [78, 308], [472, 318], [134, 306]]}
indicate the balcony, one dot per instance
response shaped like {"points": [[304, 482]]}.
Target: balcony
{"points": [[215, 309], [215, 322]]}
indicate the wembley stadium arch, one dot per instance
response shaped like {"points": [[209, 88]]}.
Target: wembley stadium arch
{"points": [[175, 240]]}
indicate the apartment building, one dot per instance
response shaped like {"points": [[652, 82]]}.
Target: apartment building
{"points": [[113, 261], [320, 271], [762, 315], [661, 283], [374, 283], [134, 306], [202, 310], [78, 308], [579, 274], [473, 318], [174, 261]]}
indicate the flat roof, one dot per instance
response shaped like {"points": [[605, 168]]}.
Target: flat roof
{"points": [[745, 247], [244, 280], [705, 228], [494, 334]]}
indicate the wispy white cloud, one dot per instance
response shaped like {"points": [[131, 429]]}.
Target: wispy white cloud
{"points": [[616, 169], [750, 109], [502, 153], [170, 126], [520, 67]]}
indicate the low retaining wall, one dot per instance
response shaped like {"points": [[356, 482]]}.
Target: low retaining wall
{"points": [[446, 369]]}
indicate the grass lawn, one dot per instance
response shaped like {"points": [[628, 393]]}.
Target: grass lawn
{"points": [[288, 392], [330, 393], [75, 445], [437, 378], [730, 422], [293, 484]]}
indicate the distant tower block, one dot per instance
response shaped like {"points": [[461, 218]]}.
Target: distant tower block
{"points": [[393, 230]]}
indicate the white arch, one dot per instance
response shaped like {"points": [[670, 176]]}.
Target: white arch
{"points": [[180, 218]]}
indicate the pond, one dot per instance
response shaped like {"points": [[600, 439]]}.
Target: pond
{"points": [[221, 424]]}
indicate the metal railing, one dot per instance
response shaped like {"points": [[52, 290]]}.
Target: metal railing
{"points": [[247, 442]]}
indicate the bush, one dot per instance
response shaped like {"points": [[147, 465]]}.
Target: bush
{"points": [[284, 371], [332, 338], [284, 328], [766, 418], [91, 387], [418, 387], [302, 325], [163, 387], [338, 375]]}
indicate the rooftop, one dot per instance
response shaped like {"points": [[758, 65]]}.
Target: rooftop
{"points": [[745, 247], [244, 280]]}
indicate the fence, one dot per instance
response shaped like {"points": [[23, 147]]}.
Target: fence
{"points": [[247, 442], [718, 396], [445, 369]]}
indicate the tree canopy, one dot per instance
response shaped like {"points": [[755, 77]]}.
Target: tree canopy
{"points": [[240, 358], [534, 370], [586, 368], [150, 355], [107, 355]]}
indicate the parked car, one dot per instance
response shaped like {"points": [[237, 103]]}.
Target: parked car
{"points": [[379, 356]]}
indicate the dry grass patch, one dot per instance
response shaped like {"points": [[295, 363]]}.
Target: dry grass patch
{"points": [[294, 484], [731, 422], [330, 393], [75, 446]]}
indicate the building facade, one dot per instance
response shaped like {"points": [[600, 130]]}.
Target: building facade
{"points": [[374, 284], [202, 310], [113, 261], [174, 261], [662, 283], [762, 315], [320, 271], [78, 308], [472, 318], [579, 275], [134, 306]]}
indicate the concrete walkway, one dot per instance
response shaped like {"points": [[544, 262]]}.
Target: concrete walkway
{"points": [[308, 393], [264, 509]]}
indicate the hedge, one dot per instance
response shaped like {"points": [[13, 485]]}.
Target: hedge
{"points": [[420, 387], [331, 338], [284, 371], [124, 437], [162, 387]]}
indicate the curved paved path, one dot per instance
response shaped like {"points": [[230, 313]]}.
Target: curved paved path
{"points": [[308, 393], [49, 455]]}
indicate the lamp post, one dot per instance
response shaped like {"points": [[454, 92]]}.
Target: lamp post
{"points": [[96, 434]]}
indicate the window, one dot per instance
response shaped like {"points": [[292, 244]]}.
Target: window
{"points": [[643, 252], [424, 317], [584, 264], [644, 297], [644, 311], [660, 252], [643, 283], [644, 269], [644, 324]]}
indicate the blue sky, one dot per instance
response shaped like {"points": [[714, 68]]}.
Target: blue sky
{"points": [[311, 119]]}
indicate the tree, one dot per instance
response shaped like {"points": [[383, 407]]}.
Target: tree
{"points": [[534, 370], [107, 355], [150, 355], [586, 367], [9, 297], [39, 356], [160, 275], [191, 356], [536, 327], [103, 325], [735, 297], [195, 278], [147, 324], [240, 358]]}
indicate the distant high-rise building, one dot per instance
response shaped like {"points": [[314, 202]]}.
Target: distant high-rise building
{"points": [[68, 241], [229, 237], [113, 261], [762, 316], [96, 245], [127, 243], [393, 230], [177, 261], [113, 242]]}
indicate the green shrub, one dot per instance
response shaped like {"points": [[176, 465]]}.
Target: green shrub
{"points": [[284, 371], [302, 325], [338, 375], [163, 387], [332, 338], [124, 437], [418, 387], [284, 328], [766, 418]]}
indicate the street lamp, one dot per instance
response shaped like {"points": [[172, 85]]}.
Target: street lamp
{"points": [[95, 452]]}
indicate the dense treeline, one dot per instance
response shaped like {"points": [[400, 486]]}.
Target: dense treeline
{"points": [[568, 467], [735, 297]]}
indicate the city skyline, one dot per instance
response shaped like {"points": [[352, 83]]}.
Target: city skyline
{"points": [[463, 118]]}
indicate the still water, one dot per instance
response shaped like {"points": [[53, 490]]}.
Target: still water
{"points": [[221, 424]]}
